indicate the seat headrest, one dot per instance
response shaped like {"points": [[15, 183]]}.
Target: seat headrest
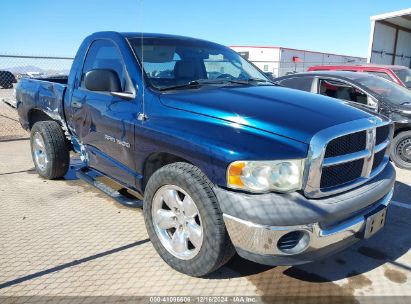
{"points": [[185, 69]]}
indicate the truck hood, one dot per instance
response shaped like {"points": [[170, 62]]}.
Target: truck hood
{"points": [[286, 112]]}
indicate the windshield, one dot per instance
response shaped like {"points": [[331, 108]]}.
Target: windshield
{"points": [[388, 90], [171, 62], [405, 76]]}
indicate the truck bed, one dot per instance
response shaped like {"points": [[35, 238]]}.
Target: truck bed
{"points": [[57, 79], [45, 94]]}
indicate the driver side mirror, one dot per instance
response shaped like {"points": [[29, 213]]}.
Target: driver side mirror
{"points": [[102, 80], [106, 80]]}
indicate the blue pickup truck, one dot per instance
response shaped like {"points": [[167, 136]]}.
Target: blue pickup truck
{"points": [[225, 160]]}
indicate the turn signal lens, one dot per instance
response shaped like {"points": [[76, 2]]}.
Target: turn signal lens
{"points": [[234, 174]]}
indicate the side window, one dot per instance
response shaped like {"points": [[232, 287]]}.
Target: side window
{"points": [[299, 83], [103, 54], [341, 90], [380, 74]]}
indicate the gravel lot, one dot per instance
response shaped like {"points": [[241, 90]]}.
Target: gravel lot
{"points": [[64, 238], [9, 120]]}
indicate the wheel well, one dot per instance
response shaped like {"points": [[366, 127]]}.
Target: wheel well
{"points": [[403, 129], [37, 115], [156, 161]]}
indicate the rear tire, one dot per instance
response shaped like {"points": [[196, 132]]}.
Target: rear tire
{"points": [[212, 248], [401, 150], [49, 149]]}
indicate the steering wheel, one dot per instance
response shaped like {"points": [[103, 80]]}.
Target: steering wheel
{"points": [[224, 76]]}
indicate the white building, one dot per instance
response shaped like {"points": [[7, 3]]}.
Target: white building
{"points": [[281, 61], [390, 38]]}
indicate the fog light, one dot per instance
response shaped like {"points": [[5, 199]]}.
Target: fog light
{"points": [[293, 242]]}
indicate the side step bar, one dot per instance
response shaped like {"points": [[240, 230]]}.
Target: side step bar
{"points": [[120, 196]]}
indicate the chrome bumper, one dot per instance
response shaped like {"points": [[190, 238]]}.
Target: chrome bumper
{"points": [[262, 240]]}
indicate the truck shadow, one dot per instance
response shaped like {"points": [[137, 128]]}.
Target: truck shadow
{"points": [[385, 248]]}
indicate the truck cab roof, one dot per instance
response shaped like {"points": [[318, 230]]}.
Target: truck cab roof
{"points": [[128, 35]]}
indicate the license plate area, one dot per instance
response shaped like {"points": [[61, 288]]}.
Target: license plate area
{"points": [[374, 223]]}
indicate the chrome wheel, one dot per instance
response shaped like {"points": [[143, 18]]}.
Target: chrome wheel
{"points": [[39, 152], [177, 222]]}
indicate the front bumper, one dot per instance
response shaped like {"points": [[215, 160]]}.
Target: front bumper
{"points": [[327, 233]]}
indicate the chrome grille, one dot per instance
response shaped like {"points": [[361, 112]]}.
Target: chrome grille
{"points": [[347, 155], [346, 144], [341, 174], [382, 134], [378, 159]]}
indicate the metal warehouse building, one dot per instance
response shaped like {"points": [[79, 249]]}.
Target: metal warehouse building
{"points": [[390, 38], [281, 61]]}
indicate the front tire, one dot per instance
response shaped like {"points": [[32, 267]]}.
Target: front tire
{"points": [[401, 150], [49, 149], [184, 220]]}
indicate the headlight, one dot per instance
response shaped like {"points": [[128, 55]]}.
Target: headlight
{"points": [[263, 176]]}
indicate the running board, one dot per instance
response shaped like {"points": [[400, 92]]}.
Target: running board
{"points": [[120, 196]]}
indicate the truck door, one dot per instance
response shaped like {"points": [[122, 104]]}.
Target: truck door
{"points": [[103, 123]]}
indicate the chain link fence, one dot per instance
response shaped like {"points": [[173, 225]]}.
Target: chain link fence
{"points": [[12, 69], [15, 67]]}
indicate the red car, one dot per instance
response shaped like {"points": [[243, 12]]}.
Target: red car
{"points": [[396, 73]]}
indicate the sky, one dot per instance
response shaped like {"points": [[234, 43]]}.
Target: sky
{"points": [[56, 28]]}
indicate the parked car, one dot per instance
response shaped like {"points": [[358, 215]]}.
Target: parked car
{"points": [[7, 79], [396, 73], [228, 164], [365, 91]]}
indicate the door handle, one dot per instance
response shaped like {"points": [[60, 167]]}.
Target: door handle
{"points": [[76, 104]]}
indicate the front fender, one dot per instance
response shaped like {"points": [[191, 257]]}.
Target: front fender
{"points": [[210, 143]]}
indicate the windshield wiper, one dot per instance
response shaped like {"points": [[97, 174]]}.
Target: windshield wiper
{"points": [[193, 83], [178, 86], [278, 84], [257, 80], [200, 82], [264, 81], [249, 81]]}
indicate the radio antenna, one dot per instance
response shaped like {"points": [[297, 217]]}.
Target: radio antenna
{"points": [[142, 116]]}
